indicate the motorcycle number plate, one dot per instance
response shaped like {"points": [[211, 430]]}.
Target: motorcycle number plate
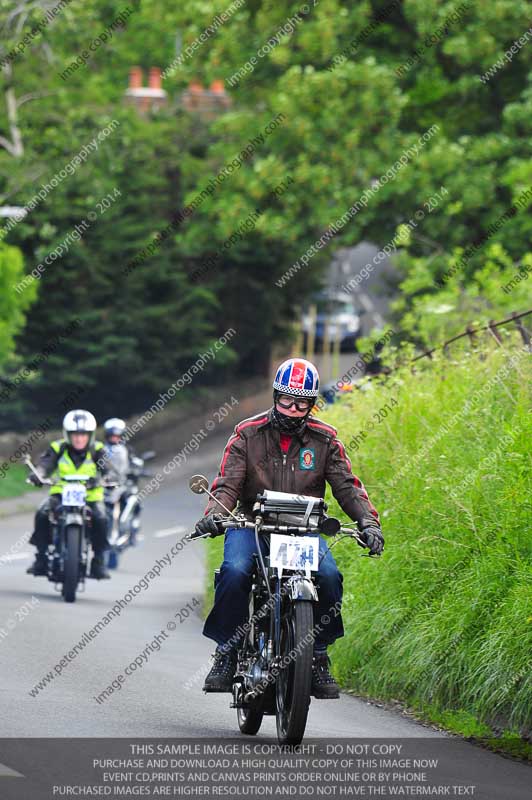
{"points": [[294, 552], [74, 494]]}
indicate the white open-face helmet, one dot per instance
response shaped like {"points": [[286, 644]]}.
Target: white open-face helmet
{"points": [[114, 427], [79, 421]]}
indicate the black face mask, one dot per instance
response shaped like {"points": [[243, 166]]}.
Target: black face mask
{"points": [[286, 424]]}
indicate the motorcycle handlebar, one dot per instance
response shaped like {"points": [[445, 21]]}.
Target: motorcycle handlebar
{"points": [[42, 482], [49, 482], [266, 529], [223, 523]]}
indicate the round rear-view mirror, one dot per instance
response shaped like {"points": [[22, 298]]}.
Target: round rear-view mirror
{"points": [[198, 484]]}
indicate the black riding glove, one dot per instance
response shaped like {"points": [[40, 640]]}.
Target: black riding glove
{"points": [[209, 524], [35, 479], [373, 538]]}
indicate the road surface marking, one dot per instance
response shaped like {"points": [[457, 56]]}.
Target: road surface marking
{"points": [[170, 531], [14, 556], [7, 772]]}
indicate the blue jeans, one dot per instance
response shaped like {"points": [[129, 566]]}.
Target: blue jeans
{"points": [[231, 597]]}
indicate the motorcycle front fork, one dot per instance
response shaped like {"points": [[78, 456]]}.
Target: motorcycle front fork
{"points": [[56, 555]]}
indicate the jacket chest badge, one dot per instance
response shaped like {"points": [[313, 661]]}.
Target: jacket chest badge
{"points": [[307, 458]]}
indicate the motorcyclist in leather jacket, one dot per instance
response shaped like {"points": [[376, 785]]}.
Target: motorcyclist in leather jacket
{"points": [[283, 449]]}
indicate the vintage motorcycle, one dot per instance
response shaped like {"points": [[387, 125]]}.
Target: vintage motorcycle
{"points": [[68, 554], [123, 510], [275, 652]]}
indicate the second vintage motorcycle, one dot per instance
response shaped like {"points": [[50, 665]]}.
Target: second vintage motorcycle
{"points": [[68, 554], [123, 509]]}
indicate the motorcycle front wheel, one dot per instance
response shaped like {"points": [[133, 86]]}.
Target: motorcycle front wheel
{"points": [[294, 680], [250, 718], [71, 563]]}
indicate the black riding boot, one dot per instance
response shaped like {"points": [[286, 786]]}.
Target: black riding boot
{"points": [[41, 537], [39, 566], [220, 678], [324, 687], [98, 569]]}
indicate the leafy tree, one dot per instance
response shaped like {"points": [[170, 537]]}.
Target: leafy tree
{"points": [[139, 328], [13, 305], [359, 85], [352, 87]]}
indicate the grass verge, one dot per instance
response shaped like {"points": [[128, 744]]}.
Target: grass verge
{"points": [[443, 621], [13, 484]]}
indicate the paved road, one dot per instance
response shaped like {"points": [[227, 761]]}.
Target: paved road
{"points": [[153, 700]]}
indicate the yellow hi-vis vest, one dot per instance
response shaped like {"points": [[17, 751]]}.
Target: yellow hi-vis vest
{"points": [[65, 466]]}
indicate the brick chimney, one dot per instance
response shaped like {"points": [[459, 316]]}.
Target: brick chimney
{"points": [[217, 87], [135, 78], [206, 102], [155, 80], [219, 96], [145, 98], [192, 97]]}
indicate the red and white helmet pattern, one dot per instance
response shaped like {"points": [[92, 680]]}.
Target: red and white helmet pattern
{"points": [[297, 377]]}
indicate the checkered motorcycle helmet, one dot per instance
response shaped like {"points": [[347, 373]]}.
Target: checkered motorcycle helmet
{"points": [[297, 377]]}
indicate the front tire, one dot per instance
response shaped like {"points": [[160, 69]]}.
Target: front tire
{"points": [[71, 563], [294, 680], [250, 719]]}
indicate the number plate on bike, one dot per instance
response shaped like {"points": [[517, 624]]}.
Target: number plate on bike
{"points": [[74, 494], [294, 552]]}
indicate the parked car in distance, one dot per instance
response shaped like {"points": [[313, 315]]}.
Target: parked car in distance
{"points": [[339, 311]]}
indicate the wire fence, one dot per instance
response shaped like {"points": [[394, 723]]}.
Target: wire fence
{"points": [[491, 328], [472, 333]]}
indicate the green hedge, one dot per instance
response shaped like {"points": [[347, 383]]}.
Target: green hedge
{"points": [[14, 483], [444, 620]]}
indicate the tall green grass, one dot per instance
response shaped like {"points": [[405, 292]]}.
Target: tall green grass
{"points": [[14, 483], [443, 621]]}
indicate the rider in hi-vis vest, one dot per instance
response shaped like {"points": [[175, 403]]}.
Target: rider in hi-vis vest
{"points": [[66, 466], [77, 453]]}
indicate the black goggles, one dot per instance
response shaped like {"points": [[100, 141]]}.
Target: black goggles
{"points": [[301, 403]]}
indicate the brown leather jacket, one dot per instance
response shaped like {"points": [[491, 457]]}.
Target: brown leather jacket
{"points": [[253, 461]]}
